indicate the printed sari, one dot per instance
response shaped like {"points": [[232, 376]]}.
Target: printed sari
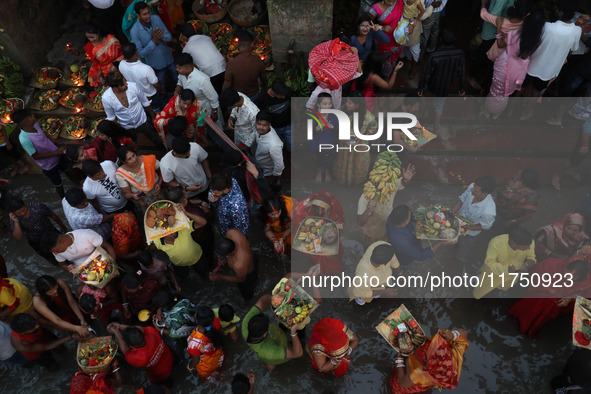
{"points": [[516, 200], [194, 133], [330, 338], [102, 57], [557, 241], [276, 227], [436, 364], [125, 233], [211, 357]]}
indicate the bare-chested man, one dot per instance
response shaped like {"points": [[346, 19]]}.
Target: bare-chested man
{"points": [[234, 251]]}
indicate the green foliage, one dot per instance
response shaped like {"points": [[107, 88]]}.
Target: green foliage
{"points": [[11, 80]]}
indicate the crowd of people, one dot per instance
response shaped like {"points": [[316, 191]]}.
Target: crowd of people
{"points": [[220, 141]]}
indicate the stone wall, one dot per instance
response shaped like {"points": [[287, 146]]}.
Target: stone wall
{"points": [[30, 28], [308, 22]]}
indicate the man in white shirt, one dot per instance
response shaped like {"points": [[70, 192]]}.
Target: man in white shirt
{"points": [[205, 55], [269, 148], [125, 102], [476, 204], [101, 184], [199, 83], [186, 165], [141, 74], [82, 215], [74, 247], [242, 118], [559, 39]]}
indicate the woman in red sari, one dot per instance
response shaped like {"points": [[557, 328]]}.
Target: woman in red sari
{"points": [[102, 51], [126, 236], [436, 364], [185, 105], [322, 204], [388, 14], [532, 312], [330, 346], [562, 239]]}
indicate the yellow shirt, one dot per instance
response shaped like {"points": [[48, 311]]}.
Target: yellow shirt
{"points": [[365, 267], [224, 324], [10, 295], [499, 256], [184, 252]]}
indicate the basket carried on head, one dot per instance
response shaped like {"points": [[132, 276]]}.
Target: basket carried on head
{"points": [[241, 13], [210, 18], [85, 348]]}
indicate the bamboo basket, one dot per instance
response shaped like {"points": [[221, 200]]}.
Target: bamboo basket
{"points": [[234, 11], [36, 104], [94, 342], [51, 85], [210, 18]]}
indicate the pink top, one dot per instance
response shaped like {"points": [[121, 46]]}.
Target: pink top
{"points": [[507, 26]]}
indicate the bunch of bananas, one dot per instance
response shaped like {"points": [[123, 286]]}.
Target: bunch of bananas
{"points": [[11, 79], [383, 177]]}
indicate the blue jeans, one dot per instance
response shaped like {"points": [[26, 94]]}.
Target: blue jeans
{"points": [[17, 359], [285, 134], [172, 74]]}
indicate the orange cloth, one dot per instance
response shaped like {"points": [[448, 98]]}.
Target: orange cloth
{"points": [[147, 183], [126, 235], [102, 57], [210, 357]]}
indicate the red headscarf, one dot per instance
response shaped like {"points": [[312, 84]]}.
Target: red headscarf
{"points": [[329, 337]]}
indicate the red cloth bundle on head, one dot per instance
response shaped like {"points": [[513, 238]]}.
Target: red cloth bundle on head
{"points": [[333, 64]]}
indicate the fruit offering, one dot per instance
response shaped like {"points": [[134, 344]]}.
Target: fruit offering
{"points": [[291, 304], [76, 127], [48, 100], [96, 353], [221, 34], [402, 331], [94, 126], [161, 215], [317, 236], [209, 7], [435, 222], [382, 178], [51, 126], [74, 98], [47, 77], [76, 75], [95, 102], [7, 107], [262, 44], [199, 26], [97, 270]]}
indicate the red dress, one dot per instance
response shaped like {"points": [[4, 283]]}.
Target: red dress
{"points": [[156, 357]]}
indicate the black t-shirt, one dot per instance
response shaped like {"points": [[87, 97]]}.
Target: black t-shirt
{"points": [[279, 108]]}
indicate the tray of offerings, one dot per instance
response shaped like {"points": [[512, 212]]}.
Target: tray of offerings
{"points": [[52, 126], [75, 75], [291, 304], [46, 78], [8, 106], [98, 269], [162, 218], [46, 100], [401, 330], [94, 355], [74, 98], [75, 128], [317, 236]]}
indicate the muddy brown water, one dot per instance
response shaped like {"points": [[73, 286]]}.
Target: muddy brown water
{"points": [[499, 359]]}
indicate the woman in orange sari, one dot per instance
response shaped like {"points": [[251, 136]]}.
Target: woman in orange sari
{"points": [[436, 364], [185, 105], [277, 219], [102, 51], [138, 177], [330, 346], [126, 236], [205, 345], [541, 304]]}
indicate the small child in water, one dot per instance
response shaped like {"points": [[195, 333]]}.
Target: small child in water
{"points": [[228, 321]]}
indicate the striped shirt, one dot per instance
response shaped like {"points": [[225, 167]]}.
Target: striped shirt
{"points": [[37, 223]]}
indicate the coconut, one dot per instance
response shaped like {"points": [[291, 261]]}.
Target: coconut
{"points": [[330, 235], [80, 99], [52, 73], [171, 220], [447, 233]]}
